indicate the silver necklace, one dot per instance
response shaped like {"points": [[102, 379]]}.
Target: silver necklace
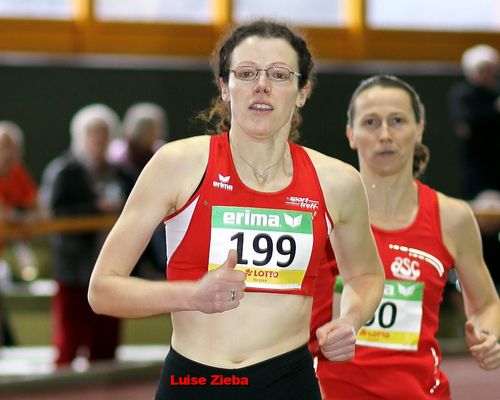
{"points": [[261, 176], [375, 186]]}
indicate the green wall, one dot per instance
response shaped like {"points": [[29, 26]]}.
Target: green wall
{"points": [[42, 95]]}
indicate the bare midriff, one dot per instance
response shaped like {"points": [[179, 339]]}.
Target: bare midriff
{"points": [[264, 325]]}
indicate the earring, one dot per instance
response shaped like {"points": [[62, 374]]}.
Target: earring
{"points": [[224, 96]]}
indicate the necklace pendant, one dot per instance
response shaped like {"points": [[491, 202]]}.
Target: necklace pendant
{"points": [[261, 177]]}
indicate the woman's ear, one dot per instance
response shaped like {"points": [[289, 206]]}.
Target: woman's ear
{"points": [[303, 95], [350, 137], [224, 91], [420, 131]]}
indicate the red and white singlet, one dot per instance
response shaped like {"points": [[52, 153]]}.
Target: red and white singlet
{"points": [[280, 237], [397, 353]]}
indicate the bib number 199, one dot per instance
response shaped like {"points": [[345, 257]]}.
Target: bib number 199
{"points": [[263, 244]]}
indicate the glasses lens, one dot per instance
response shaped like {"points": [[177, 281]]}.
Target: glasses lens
{"points": [[245, 73], [278, 74]]}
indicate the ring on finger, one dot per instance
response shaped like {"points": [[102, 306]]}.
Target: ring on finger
{"points": [[233, 295]]}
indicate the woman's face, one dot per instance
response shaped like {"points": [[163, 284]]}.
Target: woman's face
{"points": [[384, 130], [96, 140], [262, 107]]}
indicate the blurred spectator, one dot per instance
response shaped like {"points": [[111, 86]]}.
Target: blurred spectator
{"points": [[18, 191], [145, 130], [475, 110], [18, 195], [78, 183]]}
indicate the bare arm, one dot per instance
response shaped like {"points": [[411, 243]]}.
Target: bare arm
{"points": [[357, 257], [161, 189], [482, 304], [356, 252]]}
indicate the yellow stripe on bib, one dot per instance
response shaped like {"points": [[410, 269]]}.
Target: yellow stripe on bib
{"points": [[393, 338], [269, 275]]}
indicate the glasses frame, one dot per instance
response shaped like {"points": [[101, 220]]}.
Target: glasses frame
{"points": [[266, 70]]}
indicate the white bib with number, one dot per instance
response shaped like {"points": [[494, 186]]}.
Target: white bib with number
{"points": [[397, 321], [274, 246]]}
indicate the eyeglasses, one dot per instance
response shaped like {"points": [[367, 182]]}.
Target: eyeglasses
{"points": [[275, 74]]}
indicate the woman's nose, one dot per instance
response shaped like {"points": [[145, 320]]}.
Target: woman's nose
{"points": [[262, 83], [384, 132]]}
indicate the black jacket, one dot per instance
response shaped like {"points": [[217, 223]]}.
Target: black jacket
{"points": [[69, 188]]}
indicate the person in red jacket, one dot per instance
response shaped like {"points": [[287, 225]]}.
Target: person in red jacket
{"points": [[421, 234], [18, 197], [18, 191]]}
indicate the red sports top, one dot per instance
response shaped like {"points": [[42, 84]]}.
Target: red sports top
{"points": [[397, 354], [280, 237], [17, 189]]}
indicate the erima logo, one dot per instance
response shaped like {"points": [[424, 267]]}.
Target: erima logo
{"points": [[249, 218], [223, 183], [293, 221], [406, 291], [224, 179]]}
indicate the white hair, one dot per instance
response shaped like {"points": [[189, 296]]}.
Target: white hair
{"points": [[88, 115], [14, 131], [139, 113], [477, 56]]}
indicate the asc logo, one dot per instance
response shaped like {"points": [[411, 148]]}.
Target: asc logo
{"points": [[409, 267], [404, 268]]}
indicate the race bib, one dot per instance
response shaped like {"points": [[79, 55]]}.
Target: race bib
{"points": [[274, 246], [397, 321]]}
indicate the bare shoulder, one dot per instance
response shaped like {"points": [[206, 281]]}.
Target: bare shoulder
{"points": [[458, 223], [455, 213], [341, 183], [193, 149], [180, 159]]}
